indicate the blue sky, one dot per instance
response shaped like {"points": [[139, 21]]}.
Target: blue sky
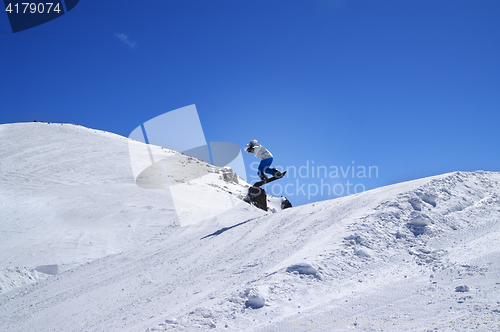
{"points": [[410, 87]]}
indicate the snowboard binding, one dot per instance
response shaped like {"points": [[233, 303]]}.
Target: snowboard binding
{"points": [[274, 178]]}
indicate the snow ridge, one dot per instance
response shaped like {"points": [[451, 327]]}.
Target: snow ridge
{"points": [[381, 259]]}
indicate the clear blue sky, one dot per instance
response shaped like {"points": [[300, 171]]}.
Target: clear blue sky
{"points": [[411, 87]]}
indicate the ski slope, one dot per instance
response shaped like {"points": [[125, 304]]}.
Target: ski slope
{"points": [[420, 255]]}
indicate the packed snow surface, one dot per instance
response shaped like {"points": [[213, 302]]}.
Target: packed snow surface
{"points": [[83, 248]]}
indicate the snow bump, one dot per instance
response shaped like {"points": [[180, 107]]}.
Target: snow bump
{"points": [[418, 224], [302, 268], [428, 198], [462, 289], [47, 269], [255, 299], [363, 253]]}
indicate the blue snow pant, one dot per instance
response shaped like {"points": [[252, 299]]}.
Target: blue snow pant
{"points": [[264, 166]]}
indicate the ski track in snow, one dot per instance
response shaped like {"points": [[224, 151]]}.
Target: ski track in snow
{"points": [[422, 255]]}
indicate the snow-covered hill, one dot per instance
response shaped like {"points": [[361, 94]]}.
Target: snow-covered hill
{"points": [[68, 196], [420, 255]]}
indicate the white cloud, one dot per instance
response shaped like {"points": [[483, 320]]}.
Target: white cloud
{"points": [[124, 38]]}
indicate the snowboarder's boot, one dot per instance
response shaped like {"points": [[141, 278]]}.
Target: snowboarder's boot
{"points": [[263, 177], [277, 174]]}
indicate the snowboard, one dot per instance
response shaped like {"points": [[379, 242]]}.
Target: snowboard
{"points": [[260, 183]]}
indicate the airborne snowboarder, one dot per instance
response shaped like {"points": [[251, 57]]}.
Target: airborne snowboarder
{"points": [[266, 158]]}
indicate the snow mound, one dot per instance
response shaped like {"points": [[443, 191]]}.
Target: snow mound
{"points": [[15, 277], [462, 288], [47, 269], [255, 299], [302, 268], [69, 196]]}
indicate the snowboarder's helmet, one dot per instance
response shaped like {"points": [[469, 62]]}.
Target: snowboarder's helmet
{"points": [[253, 142]]}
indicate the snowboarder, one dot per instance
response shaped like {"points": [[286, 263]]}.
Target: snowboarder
{"points": [[266, 158]]}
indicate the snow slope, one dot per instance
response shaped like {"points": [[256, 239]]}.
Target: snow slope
{"points": [[421, 255]]}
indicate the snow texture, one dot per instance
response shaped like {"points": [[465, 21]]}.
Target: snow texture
{"points": [[83, 248]]}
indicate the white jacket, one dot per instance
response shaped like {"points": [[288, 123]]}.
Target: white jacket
{"points": [[261, 152]]}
